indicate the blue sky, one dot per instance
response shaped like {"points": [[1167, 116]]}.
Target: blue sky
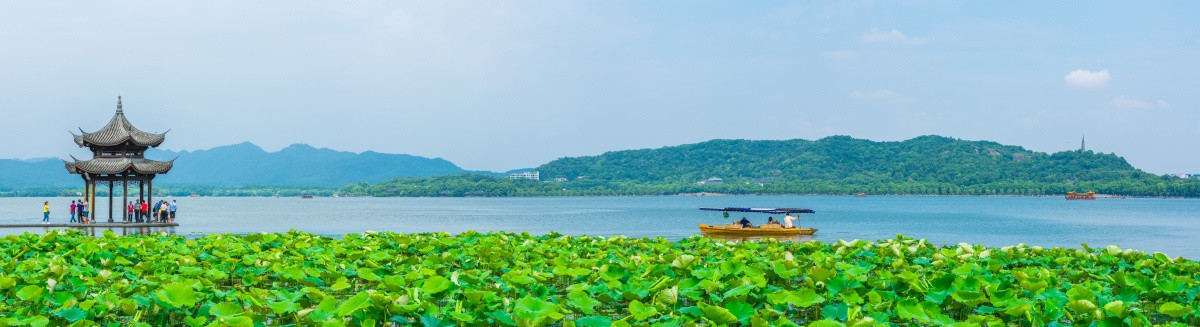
{"points": [[499, 85]]}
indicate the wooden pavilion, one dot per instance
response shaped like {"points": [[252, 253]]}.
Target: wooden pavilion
{"points": [[118, 155]]}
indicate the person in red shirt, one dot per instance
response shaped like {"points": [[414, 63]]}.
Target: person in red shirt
{"points": [[145, 211]]}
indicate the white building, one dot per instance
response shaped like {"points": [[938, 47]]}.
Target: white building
{"points": [[534, 175], [711, 181]]}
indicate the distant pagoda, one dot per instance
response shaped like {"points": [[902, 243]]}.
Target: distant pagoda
{"points": [[118, 155]]}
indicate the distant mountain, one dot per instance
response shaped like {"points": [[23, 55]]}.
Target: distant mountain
{"points": [[247, 164], [43, 172], [832, 165], [296, 165], [846, 160]]}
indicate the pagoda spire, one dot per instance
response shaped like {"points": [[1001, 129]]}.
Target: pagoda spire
{"points": [[119, 110]]}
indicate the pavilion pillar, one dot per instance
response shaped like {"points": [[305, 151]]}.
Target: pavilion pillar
{"points": [[150, 191], [137, 212], [110, 200], [125, 201]]}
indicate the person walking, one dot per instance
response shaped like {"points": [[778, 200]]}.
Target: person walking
{"points": [[174, 206], [84, 218], [46, 212], [155, 213], [145, 212], [72, 211]]}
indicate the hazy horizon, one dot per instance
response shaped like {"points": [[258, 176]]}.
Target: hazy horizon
{"points": [[504, 85]]}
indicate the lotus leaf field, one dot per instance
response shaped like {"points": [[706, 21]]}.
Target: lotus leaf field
{"points": [[505, 279]]}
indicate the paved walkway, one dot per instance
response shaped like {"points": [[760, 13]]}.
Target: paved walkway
{"points": [[104, 225]]}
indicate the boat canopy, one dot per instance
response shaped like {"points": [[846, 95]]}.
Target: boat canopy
{"points": [[761, 210]]}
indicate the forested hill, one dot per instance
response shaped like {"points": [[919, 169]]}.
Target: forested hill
{"points": [[837, 164]]}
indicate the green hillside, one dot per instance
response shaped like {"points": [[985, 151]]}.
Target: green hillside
{"points": [[832, 165]]}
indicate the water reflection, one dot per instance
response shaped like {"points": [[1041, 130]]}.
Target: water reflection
{"points": [[123, 231]]}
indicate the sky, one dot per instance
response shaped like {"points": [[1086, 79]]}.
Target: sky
{"points": [[499, 85]]}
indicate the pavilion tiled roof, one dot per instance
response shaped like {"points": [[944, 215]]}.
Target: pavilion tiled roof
{"points": [[118, 131], [99, 166]]}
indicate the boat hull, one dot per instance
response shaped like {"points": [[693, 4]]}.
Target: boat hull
{"points": [[755, 231]]}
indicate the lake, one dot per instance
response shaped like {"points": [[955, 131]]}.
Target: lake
{"points": [[1171, 226]]}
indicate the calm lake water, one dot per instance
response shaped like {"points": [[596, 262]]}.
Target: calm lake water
{"points": [[1171, 226]]}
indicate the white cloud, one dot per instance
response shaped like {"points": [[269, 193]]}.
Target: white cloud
{"points": [[1087, 78], [894, 36], [884, 95], [844, 55], [1132, 103]]}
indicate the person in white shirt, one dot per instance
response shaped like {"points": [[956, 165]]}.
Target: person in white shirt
{"points": [[787, 221]]}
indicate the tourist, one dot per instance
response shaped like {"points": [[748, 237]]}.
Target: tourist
{"points": [[84, 217], [174, 206], [46, 212], [771, 220], [787, 221], [154, 212], [128, 213], [163, 208], [72, 211], [145, 212], [745, 223]]}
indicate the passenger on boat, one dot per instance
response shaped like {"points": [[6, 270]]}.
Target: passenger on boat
{"points": [[787, 221], [745, 223], [771, 220]]}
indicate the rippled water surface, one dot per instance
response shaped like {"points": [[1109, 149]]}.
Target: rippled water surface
{"points": [[1171, 226]]}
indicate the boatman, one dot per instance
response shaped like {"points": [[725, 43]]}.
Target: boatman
{"points": [[745, 222], [787, 221]]}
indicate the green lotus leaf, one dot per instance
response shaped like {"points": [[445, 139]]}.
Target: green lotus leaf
{"points": [[738, 291], [283, 307], [805, 298], [594, 321], [435, 284], [581, 300], [71, 314], [970, 298], [1081, 306], [195, 321], [820, 274], [910, 309], [30, 293], [1171, 286], [178, 295], [838, 311], [717, 314], [826, 323], [783, 322], [368, 274], [742, 310], [1174, 309], [7, 282], [1079, 292], [35, 321], [431, 321], [641, 311], [225, 310], [1115, 308], [530, 311]]}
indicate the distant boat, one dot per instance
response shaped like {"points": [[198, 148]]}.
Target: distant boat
{"points": [[306, 196], [194, 195], [1081, 196], [860, 194], [769, 230]]}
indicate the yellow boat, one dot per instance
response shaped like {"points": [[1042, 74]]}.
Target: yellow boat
{"points": [[773, 230], [764, 230]]}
